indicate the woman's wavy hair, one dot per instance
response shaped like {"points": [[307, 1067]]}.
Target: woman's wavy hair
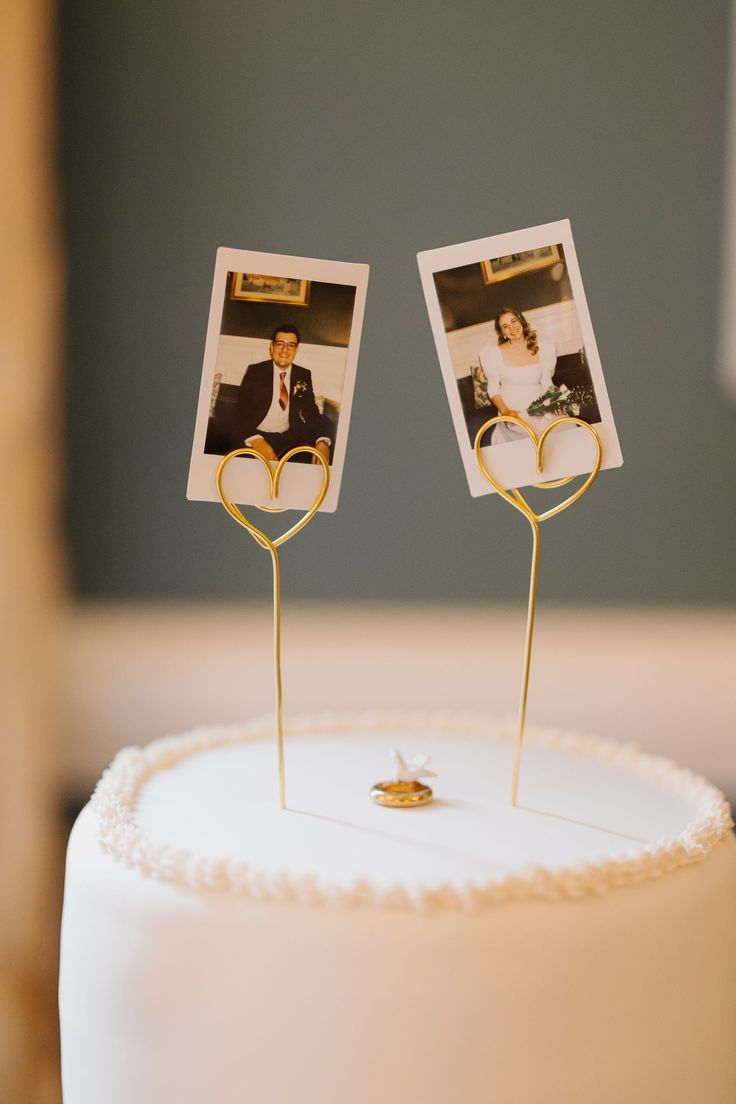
{"points": [[530, 335]]}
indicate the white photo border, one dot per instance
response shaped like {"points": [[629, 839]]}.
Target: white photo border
{"points": [[246, 482], [566, 453]]}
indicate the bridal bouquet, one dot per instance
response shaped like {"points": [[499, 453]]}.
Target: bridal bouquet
{"points": [[562, 400]]}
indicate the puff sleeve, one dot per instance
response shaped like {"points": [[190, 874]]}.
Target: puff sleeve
{"points": [[490, 360]]}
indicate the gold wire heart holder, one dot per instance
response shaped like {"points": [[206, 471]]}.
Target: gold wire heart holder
{"points": [[273, 471], [517, 500]]}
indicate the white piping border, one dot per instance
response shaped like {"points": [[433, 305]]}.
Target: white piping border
{"points": [[115, 798]]}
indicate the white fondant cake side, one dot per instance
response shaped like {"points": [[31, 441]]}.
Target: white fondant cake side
{"points": [[173, 993]]}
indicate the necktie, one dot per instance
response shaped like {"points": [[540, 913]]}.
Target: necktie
{"points": [[283, 393]]}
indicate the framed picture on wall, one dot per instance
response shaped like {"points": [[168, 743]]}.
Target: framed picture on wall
{"points": [[258, 287], [513, 264]]}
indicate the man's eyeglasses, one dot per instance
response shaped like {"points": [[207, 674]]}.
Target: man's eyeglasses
{"points": [[284, 345]]}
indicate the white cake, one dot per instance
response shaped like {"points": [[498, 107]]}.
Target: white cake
{"points": [[577, 949]]}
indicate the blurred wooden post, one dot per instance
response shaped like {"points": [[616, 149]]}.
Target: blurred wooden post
{"points": [[30, 462]]}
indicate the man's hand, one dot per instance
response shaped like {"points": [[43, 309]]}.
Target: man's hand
{"points": [[324, 450], [262, 447]]}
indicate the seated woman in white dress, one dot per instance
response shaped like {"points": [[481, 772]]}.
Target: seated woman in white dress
{"points": [[519, 368]]}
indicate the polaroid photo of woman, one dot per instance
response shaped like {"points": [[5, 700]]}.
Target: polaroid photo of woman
{"points": [[514, 338]]}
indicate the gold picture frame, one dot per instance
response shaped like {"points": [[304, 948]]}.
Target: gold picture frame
{"points": [[259, 288], [513, 264]]}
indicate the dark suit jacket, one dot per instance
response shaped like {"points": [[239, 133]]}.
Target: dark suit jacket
{"points": [[256, 393]]}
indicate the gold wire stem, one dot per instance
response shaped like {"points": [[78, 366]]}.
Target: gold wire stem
{"points": [[531, 611], [517, 500], [276, 564], [272, 546]]}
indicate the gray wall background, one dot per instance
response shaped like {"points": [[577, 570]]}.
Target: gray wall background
{"points": [[367, 132]]}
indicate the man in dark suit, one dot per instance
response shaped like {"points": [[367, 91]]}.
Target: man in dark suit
{"points": [[276, 406]]}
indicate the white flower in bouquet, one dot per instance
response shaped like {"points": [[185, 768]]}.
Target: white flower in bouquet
{"points": [[576, 410]]}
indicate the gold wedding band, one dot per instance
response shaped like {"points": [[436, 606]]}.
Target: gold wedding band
{"points": [[401, 795]]}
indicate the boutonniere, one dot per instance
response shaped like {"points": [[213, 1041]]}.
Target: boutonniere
{"points": [[299, 388]]}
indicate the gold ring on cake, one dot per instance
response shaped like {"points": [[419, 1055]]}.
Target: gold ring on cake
{"points": [[401, 795]]}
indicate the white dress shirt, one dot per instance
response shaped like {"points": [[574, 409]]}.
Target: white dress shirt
{"points": [[276, 419]]}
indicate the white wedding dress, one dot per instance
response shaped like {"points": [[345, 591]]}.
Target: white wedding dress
{"points": [[518, 384]]}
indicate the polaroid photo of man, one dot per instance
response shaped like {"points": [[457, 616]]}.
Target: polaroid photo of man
{"points": [[514, 337], [278, 374]]}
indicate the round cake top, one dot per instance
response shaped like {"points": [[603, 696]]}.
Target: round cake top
{"points": [[201, 810]]}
